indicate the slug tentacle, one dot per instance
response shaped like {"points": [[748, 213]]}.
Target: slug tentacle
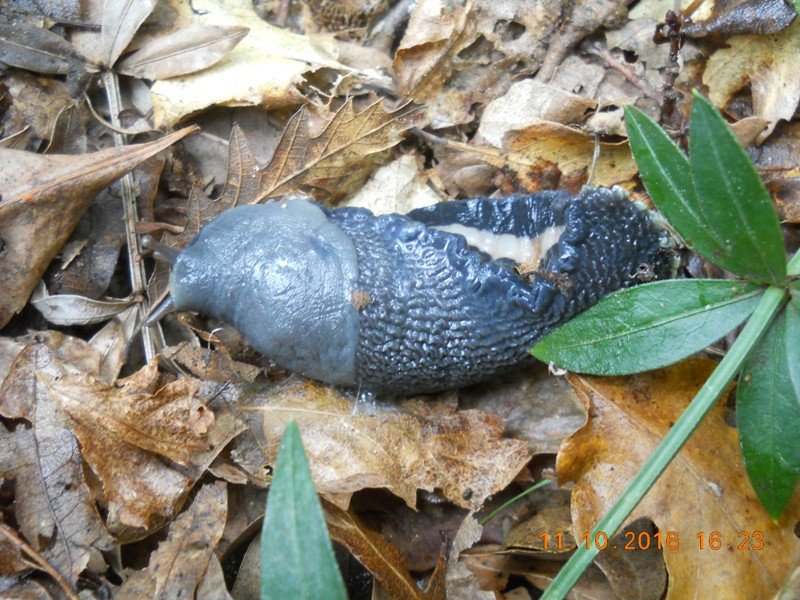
{"points": [[419, 303]]}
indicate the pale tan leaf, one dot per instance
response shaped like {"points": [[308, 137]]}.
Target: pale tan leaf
{"points": [[181, 52], [263, 70], [769, 63], [71, 309], [121, 21], [44, 198]]}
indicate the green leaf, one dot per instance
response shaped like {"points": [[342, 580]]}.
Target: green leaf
{"points": [[297, 559], [732, 198], [796, 4], [768, 412], [649, 326], [667, 176]]}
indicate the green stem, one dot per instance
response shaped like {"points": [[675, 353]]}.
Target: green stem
{"points": [[771, 303]]}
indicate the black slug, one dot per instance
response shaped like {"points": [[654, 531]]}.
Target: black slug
{"points": [[412, 304]]}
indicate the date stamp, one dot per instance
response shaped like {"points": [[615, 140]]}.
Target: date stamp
{"points": [[670, 540]]}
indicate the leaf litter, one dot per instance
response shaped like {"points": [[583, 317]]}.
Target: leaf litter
{"points": [[101, 451]]}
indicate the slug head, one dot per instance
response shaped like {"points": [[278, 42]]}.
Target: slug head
{"points": [[283, 275]]}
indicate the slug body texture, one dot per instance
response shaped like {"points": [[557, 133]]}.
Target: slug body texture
{"points": [[419, 303]]}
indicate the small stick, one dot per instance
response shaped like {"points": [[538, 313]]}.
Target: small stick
{"points": [[39, 560]]}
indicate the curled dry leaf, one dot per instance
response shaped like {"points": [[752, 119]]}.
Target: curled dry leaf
{"points": [[761, 17], [44, 198], [462, 454], [180, 562], [181, 52], [71, 309], [704, 490], [545, 155], [381, 558], [53, 506]]}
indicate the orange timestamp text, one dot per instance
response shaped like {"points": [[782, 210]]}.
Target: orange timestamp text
{"points": [[670, 540]]}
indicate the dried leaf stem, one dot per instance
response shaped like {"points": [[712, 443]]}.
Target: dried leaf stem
{"points": [[135, 266], [39, 560]]}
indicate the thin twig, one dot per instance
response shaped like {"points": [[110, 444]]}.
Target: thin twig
{"points": [[39, 560], [616, 64], [135, 266]]}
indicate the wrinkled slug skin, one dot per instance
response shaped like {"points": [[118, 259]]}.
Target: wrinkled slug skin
{"points": [[403, 305]]}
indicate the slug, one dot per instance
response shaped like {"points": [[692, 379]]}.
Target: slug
{"points": [[418, 303]]}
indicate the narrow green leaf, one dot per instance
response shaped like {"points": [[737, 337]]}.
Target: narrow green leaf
{"points": [[667, 176], [733, 199], [768, 413], [796, 4], [297, 559], [649, 326]]}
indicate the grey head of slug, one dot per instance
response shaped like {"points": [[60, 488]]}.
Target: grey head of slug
{"points": [[412, 304]]}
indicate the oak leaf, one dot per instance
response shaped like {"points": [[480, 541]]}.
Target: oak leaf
{"points": [[703, 500], [336, 161]]}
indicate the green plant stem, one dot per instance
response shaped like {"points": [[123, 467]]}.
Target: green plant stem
{"points": [[771, 303]]}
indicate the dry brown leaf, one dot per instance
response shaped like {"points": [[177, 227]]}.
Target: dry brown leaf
{"points": [[44, 197], [334, 162], [208, 365], [121, 426], [380, 558], [769, 63], [180, 563], [585, 16], [462, 454], [457, 55], [53, 506], [181, 52], [704, 490]]}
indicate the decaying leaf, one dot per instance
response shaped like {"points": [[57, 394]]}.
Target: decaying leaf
{"points": [[43, 199], [703, 499], [54, 507], [463, 454], [36, 49], [337, 160], [181, 561], [120, 428], [548, 155]]}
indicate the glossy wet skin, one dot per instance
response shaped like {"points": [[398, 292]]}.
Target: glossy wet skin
{"points": [[434, 312]]}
